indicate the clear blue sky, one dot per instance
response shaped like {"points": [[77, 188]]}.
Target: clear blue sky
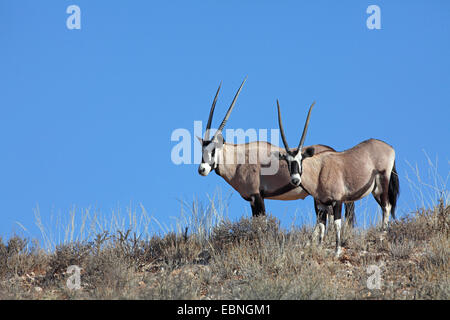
{"points": [[86, 115]]}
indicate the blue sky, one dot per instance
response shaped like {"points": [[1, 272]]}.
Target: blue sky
{"points": [[86, 116]]}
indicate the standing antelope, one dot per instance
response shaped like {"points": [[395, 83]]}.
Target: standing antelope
{"points": [[248, 176], [338, 177]]}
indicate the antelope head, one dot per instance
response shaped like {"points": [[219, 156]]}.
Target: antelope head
{"points": [[293, 157], [212, 147]]}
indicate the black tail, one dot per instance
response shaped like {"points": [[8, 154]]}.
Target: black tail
{"points": [[350, 217], [394, 190]]}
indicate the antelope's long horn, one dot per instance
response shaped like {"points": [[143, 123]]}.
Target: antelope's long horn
{"points": [[280, 124], [224, 121], [305, 129], [211, 113]]}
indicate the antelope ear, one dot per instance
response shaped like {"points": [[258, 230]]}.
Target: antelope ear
{"points": [[278, 155], [219, 140], [308, 152], [200, 140]]}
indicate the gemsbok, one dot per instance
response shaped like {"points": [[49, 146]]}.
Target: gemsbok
{"points": [[249, 169], [333, 178]]}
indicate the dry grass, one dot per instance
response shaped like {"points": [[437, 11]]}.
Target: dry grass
{"points": [[246, 259], [207, 256]]}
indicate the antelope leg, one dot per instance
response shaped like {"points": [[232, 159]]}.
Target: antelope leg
{"points": [[337, 210]]}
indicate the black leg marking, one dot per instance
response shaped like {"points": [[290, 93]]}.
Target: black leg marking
{"points": [[320, 213], [258, 207], [337, 210]]}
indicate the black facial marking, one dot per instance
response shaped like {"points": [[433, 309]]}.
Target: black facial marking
{"points": [[204, 146], [293, 167]]}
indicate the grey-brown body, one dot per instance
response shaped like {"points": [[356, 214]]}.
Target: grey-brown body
{"points": [[253, 171], [349, 175], [247, 176], [334, 178]]}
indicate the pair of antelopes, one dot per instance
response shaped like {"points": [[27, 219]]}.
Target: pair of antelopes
{"points": [[330, 177]]}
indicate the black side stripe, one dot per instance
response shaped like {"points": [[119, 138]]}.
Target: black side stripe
{"points": [[363, 190], [278, 192]]}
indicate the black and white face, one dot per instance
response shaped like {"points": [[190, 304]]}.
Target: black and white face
{"points": [[210, 152], [294, 162], [212, 148], [294, 158]]}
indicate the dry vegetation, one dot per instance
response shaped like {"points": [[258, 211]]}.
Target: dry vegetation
{"points": [[246, 259]]}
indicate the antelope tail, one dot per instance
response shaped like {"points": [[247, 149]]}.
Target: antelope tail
{"points": [[394, 190]]}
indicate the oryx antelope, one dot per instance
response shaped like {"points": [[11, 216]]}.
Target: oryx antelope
{"points": [[333, 178], [247, 176]]}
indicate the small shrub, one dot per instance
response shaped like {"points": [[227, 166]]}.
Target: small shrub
{"points": [[401, 249], [438, 252], [251, 230]]}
